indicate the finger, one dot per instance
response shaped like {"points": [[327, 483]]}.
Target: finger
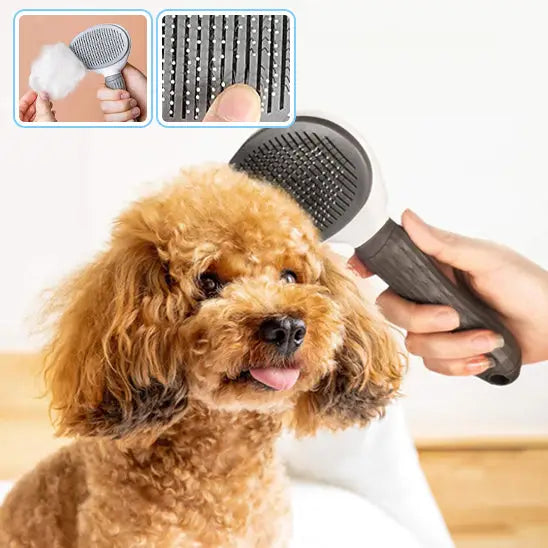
{"points": [[459, 251], [30, 113], [44, 109], [107, 94], [136, 83], [126, 116], [25, 102], [358, 267], [417, 318], [463, 367], [463, 344], [237, 103], [122, 105]]}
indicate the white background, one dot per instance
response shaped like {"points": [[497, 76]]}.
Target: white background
{"points": [[451, 95]]}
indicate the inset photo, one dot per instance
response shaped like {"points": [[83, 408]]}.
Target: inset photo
{"points": [[209, 61], [82, 68]]}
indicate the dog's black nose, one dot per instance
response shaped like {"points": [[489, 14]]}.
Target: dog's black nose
{"points": [[285, 332]]}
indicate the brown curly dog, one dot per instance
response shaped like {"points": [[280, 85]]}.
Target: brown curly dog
{"points": [[214, 318]]}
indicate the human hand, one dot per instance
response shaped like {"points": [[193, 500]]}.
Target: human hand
{"points": [[35, 107], [127, 105], [237, 103], [511, 284]]}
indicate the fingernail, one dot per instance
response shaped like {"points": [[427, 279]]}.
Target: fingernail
{"points": [[44, 96], [135, 111], [479, 364], [448, 319], [132, 102], [487, 343], [238, 103], [124, 95]]}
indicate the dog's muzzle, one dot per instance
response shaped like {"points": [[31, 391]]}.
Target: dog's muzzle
{"points": [[285, 333]]}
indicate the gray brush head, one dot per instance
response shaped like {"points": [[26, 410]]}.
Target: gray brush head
{"points": [[316, 161], [204, 54], [102, 46]]}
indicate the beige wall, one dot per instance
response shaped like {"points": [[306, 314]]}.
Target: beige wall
{"points": [[38, 30]]}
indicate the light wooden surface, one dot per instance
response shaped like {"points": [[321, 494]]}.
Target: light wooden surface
{"points": [[26, 435], [493, 494], [491, 498]]}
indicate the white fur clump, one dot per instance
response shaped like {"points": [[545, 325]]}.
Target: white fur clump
{"points": [[56, 71]]}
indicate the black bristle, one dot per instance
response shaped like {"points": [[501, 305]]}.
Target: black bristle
{"points": [[315, 161]]}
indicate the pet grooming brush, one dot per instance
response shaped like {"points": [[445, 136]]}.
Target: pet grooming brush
{"points": [[204, 54], [104, 49], [330, 174]]}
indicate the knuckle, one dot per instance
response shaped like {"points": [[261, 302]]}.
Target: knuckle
{"points": [[411, 343], [413, 317], [444, 368], [452, 369], [385, 302], [432, 366], [449, 238]]}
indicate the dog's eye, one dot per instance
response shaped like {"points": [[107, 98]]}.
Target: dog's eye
{"points": [[209, 284], [288, 276]]}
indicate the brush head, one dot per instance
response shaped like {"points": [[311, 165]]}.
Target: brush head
{"points": [[204, 54], [316, 161], [102, 46]]}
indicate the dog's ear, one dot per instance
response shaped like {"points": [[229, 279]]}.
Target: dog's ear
{"points": [[368, 365], [114, 365]]}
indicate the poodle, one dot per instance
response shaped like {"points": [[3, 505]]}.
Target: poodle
{"points": [[214, 319]]}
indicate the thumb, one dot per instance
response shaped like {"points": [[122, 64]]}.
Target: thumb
{"points": [[237, 103], [467, 254], [44, 112]]}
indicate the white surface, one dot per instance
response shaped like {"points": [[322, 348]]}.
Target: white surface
{"points": [[452, 98], [378, 463], [325, 516]]}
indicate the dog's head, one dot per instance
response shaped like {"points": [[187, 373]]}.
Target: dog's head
{"points": [[217, 291]]}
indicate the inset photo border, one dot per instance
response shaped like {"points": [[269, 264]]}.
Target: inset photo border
{"points": [[199, 53], [48, 54]]}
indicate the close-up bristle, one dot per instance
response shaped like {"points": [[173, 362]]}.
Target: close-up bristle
{"points": [[204, 54]]}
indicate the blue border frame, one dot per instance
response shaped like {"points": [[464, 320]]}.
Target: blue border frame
{"points": [[178, 125], [105, 125]]}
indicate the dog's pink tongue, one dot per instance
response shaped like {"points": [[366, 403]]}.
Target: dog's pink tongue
{"points": [[276, 378]]}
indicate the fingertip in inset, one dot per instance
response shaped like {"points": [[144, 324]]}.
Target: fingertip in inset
{"points": [[237, 103]]}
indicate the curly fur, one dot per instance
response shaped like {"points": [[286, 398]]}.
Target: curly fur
{"points": [[172, 450]]}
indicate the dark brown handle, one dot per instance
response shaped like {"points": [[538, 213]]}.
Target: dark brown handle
{"points": [[413, 275]]}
